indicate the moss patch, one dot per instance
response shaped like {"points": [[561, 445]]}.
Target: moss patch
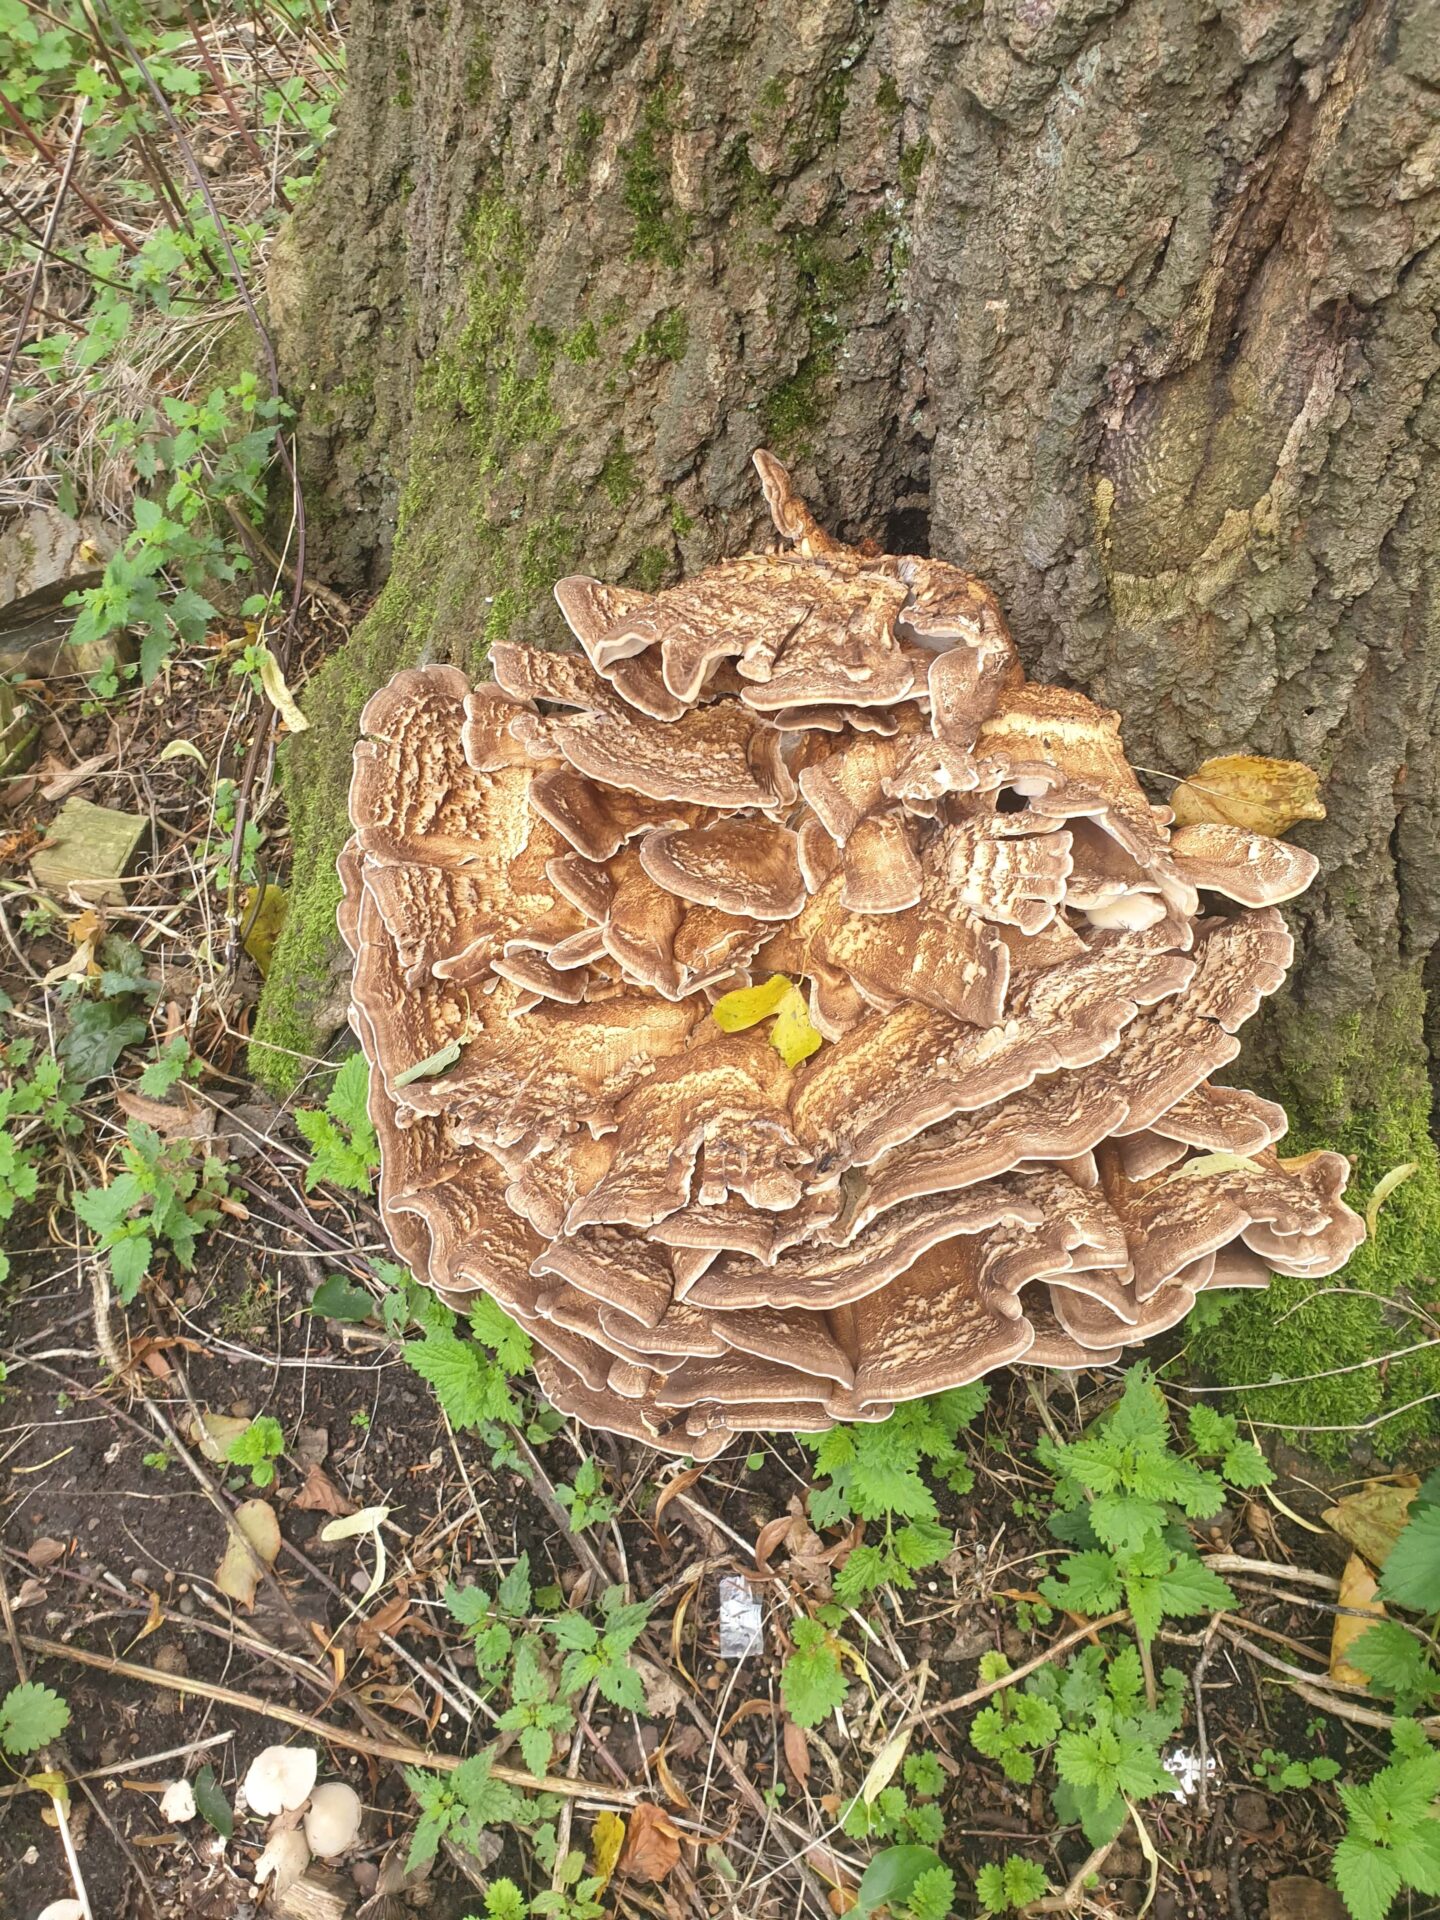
{"points": [[1357, 1085], [659, 229], [469, 566]]}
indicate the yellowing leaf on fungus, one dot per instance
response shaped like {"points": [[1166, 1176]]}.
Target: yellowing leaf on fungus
{"points": [[748, 1006], [792, 1036], [1245, 790], [1204, 1163], [1371, 1519]]}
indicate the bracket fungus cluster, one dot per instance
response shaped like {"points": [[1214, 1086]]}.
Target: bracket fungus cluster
{"points": [[997, 1139]]}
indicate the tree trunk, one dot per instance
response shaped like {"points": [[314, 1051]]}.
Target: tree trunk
{"points": [[1129, 307]]}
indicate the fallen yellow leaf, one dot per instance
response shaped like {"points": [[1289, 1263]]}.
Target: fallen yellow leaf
{"points": [[262, 918], [1357, 1590], [1245, 790], [607, 1837], [792, 1036]]}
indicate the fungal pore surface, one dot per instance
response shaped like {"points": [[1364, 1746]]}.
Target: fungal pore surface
{"points": [[784, 1009]]}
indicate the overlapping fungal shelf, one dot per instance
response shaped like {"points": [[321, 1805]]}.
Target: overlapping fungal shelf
{"points": [[827, 765]]}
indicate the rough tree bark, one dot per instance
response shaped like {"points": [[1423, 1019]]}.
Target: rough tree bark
{"points": [[1129, 307]]}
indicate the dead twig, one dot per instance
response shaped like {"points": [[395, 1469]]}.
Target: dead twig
{"points": [[399, 1752], [977, 1694]]}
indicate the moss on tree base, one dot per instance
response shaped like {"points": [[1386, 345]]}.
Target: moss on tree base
{"points": [[1357, 1085]]}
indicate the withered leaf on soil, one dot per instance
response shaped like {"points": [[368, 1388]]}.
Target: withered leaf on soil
{"points": [[44, 1552], [254, 1539], [652, 1844], [797, 1752], [321, 1495]]}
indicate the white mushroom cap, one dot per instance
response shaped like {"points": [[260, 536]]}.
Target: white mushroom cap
{"points": [[177, 1803], [62, 1910], [332, 1820], [280, 1779], [285, 1858]]}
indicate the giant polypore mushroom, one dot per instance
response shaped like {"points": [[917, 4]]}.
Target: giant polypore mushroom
{"points": [[824, 767]]}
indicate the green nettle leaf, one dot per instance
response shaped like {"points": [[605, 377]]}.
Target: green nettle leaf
{"points": [[1367, 1878], [471, 1388], [31, 1716], [1411, 1574], [1395, 1662], [812, 1685]]}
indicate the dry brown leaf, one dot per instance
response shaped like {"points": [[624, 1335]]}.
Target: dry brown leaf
{"points": [[59, 779], [1357, 1590], [320, 1494], [669, 1785], [386, 1619], [770, 1536], [797, 1752], [1370, 1520], [1245, 790], [652, 1844], [44, 1552], [191, 1120], [680, 1484], [253, 1544]]}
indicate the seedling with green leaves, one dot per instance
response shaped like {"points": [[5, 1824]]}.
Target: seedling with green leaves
{"points": [[534, 1713], [812, 1684], [489, 1621], [1004, 1886], [162, 1202], [1392, 1835], [874, 1473], [1278, 1772], [459, 1806], [586, 1503], [1106, 1740], [905, 1812], [343, 1144], [258, 1447], [472, 1378], [600, 1653], [1124, 1495]]}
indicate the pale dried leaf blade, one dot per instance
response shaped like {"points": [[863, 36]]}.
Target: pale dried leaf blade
{"points": [[883, 1766], [278, 694], [367, 1520], [797, 1751], [1371, 1519], [1384, 1187], [1247, 790]]}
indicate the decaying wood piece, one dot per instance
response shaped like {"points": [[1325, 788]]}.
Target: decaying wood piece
{"points": [[827, 765]]}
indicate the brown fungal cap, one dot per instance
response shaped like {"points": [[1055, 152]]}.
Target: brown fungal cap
{"points": [[972, 1122]]}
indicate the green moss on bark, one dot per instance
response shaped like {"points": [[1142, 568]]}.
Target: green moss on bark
{"points": [[468, 567], [1357, 1085]]}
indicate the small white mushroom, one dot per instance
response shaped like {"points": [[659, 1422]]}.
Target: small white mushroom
{"points": [[177, 1803], [62, 1910], [285, 1858], [332, 1820], [280, 1779]]}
